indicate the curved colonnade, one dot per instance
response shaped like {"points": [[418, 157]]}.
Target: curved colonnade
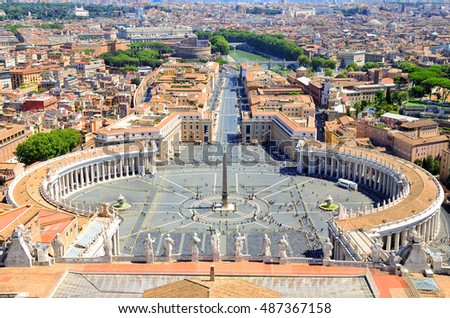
{"points": [[46, 184], [412, 198]]}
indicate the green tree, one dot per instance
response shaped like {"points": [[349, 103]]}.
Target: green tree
{"points": [[329, 63], [317, 62], [219, 44], [408, 67], [126, 69], [352, 67], [442, 83], [431, 165], [368, 65], [342, 74], [328, 72], [418, 162], [304, 61], [388, 95], [136, 81], [400, 97], [221, 61], [44, 146], [358, 108]]}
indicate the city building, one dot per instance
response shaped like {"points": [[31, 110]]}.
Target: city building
{"points": [[11, 136], [25, 76], [411, 140]]}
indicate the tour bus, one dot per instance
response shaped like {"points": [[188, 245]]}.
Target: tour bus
{"points": [[347, 184]]}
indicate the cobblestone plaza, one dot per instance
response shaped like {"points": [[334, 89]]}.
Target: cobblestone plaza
{"points": [[270, 198]]}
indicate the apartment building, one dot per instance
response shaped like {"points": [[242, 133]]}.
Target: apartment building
{"points": [[10, 137], [412, 140], [340, 130], [25, 76]]}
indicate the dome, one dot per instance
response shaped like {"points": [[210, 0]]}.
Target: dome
{"points": [[374, 23]]}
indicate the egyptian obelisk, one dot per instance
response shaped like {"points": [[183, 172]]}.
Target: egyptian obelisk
{"points": [[224, 182]]}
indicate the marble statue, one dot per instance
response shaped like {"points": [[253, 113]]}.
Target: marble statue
{"points": [[40, 253], [327, 249], [376, 251], [266, 246], [107, 245], [168, 245], [194, 246], [215, 244], [238, 244], [283, 245], [148, 249], [58, 246]]}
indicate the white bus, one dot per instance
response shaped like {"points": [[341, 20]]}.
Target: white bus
{"points": [[347, 184]]}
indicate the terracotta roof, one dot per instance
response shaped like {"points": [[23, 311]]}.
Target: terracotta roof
{"points": [[219, 288], [422, 192], [11, 219], [421, 141], [25, 71], [419, 123]]}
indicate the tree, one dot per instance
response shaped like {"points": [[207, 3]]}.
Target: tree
{"points": [[399, 97], [418, 162], [408, 67], [417, 91], [442, 83], [219, 44], [400, 80], [431, 165], [136, 81], [379, 96], [352, 67], [128, 68], [329, 63], [328, 72], [44, 146], [317, 62], [342, 74], [388, 95], [368, 65], [304, 61], [358, 108], [221, 61]]}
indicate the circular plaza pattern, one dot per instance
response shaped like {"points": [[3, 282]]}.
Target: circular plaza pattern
{"points": [[278, 198]]}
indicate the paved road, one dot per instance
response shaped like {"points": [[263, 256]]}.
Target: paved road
{"points": [[227, 112]]}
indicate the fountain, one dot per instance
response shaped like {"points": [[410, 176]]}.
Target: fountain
{"points": [[328, 204], [121, 205]]}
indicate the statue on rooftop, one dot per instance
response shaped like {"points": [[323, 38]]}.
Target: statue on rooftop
{"points": [[376, 251], [168, 245], [327, 249], [194, 246], [58, 246], [148, 249], [266, 246], [239, 244], [283, 245]]}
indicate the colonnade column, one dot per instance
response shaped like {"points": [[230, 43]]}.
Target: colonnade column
{"points": [[396, 241], [92, 174], [388, 242], [81, 172]]}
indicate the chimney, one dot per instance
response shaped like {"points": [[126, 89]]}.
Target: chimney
{"points": [[212, 275]]}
